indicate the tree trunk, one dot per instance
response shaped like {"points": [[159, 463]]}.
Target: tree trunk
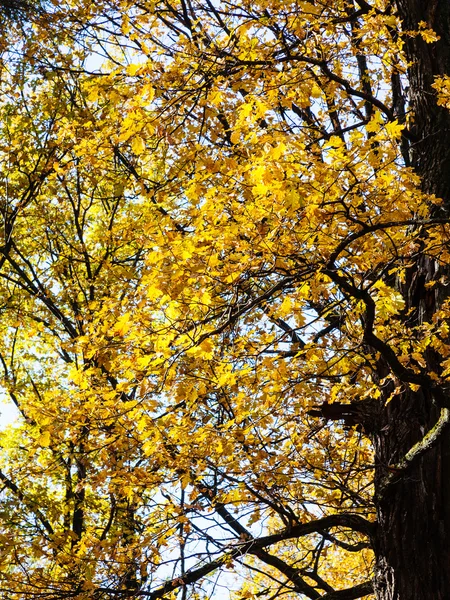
{"points": [[413, 542], [413, 538]]}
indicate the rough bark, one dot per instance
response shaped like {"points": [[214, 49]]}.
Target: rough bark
{"points": [[431, 126], [413, 539], [412, 543]]}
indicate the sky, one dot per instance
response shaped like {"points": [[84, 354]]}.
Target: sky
{"points": [[8, 411]]}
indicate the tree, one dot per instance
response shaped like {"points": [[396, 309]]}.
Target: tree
{"points": [[224, 305]]}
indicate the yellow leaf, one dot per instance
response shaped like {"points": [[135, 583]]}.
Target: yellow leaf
{"points": [[123, 325], [133, 69], [316, 92], [44, 439], [374, 124], [235, 137], [138, 145], [394, 129]]}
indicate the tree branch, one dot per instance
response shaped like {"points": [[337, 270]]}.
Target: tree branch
{"points": [[30, 503], [358, 591], [255, 546]]}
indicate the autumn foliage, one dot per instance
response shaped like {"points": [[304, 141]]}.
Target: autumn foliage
{"points": [[213, 293]]}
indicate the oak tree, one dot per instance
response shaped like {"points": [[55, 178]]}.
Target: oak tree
{"points": [[224, 274]]}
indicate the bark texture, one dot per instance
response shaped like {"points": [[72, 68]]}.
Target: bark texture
{"points": [[413, 539]]}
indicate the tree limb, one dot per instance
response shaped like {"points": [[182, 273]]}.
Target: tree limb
{"points": [[358, 591]]}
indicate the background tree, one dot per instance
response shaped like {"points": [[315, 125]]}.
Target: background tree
{"points": [[224, 300]]}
